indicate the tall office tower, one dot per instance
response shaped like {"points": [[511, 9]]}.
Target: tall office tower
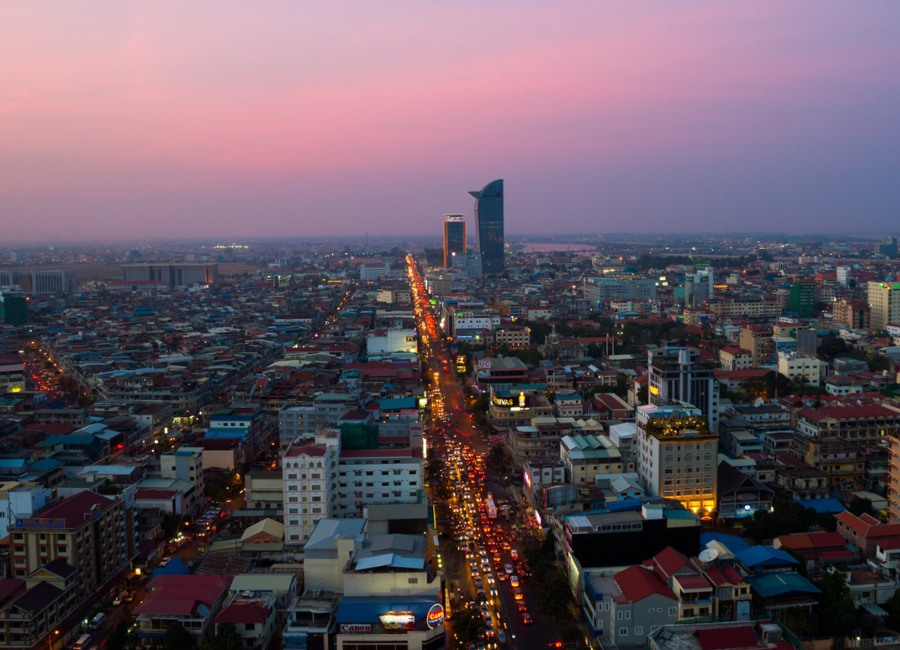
{"points": [[454, 239], [678, 456], [802, 298], [489, 226], [680, 375], [698, 287], [884, 304]]}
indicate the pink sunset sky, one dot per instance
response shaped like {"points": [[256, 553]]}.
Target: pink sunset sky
{"points": [[288, 119]]}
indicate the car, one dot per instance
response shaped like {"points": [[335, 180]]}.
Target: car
{"points": [[163, 562], [514, 580], [522, 607], [517, 593], [526, 618], [118, 600], [514, 554], [508, 568]]}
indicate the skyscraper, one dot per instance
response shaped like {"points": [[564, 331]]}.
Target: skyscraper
{"points": [[454, 238], [489, 226]]}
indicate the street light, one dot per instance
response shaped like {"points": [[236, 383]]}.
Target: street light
{"points": [[51, 636]]}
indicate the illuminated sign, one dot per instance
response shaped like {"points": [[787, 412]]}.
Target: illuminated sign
{"points": [[398, 621], [435, 616], [654, 390], [461, 360], [484, 364], [503, 401], [350, 628]]}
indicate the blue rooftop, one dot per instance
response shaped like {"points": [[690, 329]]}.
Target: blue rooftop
{"points": [[732, 542], [823, 506], [773, 585], [764, 556]]}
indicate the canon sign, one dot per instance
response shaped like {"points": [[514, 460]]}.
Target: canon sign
{"points": [[351, 628]]}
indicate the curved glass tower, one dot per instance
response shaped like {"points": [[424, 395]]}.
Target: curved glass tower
{"points": [[489, 226]]}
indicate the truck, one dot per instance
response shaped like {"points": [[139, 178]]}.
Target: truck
{"points": [[491, 508]]}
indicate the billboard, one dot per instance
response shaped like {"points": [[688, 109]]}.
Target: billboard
{"points": [[398, 621]]}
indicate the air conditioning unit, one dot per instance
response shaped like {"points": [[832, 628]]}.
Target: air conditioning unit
{"points": [[771, 633]]}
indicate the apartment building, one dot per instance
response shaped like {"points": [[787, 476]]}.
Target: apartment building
{"points": [[884, 303], [307, 471], [88, 531], [757, 339], [677, 456]]}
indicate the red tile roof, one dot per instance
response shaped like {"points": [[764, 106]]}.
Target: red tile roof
{"points": [[75, 508], [638, 583], [243, 613], [181, 595], [309, 450], [848, 412], [693, 582], [867, 526], [727, 638], [669, 560]]}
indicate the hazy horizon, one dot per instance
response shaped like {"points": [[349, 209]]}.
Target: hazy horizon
{"points": [[126, 121]]}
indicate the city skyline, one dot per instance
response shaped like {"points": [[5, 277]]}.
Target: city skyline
{"points": [[167, 122]]}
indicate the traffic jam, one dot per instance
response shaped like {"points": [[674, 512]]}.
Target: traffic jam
{"points": [[485, 528]]}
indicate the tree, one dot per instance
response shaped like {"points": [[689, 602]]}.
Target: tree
{"points": [[893, 609], [226, 638], [116, 639], [837, 615], [468, 625], [860, 505], [177, 638]]}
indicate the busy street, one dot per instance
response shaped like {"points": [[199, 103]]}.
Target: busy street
{"points": [[483, 526]]}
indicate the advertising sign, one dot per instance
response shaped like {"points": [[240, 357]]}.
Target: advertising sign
{"points": [[350, 628], [484, 364], [435, 616], [398, 621]]}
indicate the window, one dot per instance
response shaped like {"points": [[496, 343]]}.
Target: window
{"points": [[623, 631], [638, 629], [672, 611]]}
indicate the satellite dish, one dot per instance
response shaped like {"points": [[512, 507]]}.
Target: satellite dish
{"points": [[708, 555]]}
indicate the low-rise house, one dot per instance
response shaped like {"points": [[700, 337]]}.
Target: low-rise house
{"points": [[190, 600]]}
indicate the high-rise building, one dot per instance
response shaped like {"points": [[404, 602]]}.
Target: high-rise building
{"points": [[680, 375], [308, 469], [677, 456], [802, 297], [884, 304], [489, 226], [698, 287], [454, 239]]}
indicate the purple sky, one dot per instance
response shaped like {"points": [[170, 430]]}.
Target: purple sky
{"points": [[172, 119]]}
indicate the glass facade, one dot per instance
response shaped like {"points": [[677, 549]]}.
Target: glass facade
{"points": [[454, 238], [489, 226]]}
